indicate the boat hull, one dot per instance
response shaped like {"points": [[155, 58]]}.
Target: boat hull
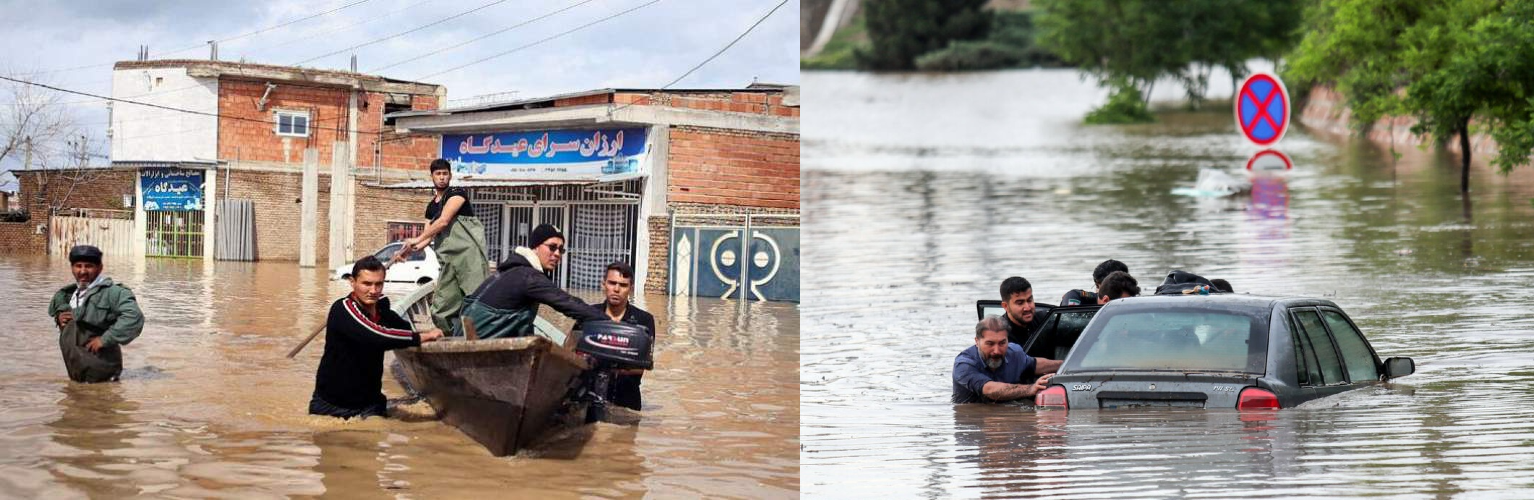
{"points": [[506, 394]]}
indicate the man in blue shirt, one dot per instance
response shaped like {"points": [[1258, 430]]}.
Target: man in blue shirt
{"points": [[989, 371]]}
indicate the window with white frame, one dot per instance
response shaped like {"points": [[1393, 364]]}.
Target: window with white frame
{"points": [[293, 123]]}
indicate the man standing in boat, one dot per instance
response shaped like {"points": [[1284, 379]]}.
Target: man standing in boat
{"points": [[459, 239], [359, 329], [96, 317], [617, 288], [506, 305]]}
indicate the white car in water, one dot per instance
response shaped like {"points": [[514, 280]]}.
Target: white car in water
{"points": [[419, 268]]}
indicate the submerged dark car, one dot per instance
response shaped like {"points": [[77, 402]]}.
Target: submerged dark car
{"points": [[1205, 351]]}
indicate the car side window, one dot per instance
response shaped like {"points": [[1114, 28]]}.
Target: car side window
{"points": [[1321, 345], [1305, 366], [1355, 350]]}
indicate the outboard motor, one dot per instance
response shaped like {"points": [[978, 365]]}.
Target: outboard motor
{"points": [[610, 345]]}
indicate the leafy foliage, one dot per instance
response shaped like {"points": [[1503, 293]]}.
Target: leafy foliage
{"points": [[1444, 62], [901, 30], [1141, 41], [1124, 106]]}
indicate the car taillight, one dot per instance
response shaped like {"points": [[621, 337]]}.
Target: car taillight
{"points": [[1253, 398], [1052, 396]]}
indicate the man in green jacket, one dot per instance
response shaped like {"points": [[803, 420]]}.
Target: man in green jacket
{"points": [[96, 317]]}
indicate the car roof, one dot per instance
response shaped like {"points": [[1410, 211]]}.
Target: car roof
{"points": [[1242, 301]]}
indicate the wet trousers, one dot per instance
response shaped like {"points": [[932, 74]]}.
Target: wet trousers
{"points": [[461, 254], [104, 365]]}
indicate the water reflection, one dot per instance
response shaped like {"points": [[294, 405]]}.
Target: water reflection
{"points": [[905, 242], [210, 406]]}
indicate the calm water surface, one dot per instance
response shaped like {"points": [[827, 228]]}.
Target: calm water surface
{"points": [[209, 407], [922, 192]]}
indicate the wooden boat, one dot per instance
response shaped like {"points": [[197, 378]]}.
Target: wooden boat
{"points": [[504, 393]]}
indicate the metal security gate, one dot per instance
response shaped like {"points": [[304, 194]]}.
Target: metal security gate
{"points": [[712, 256], [174, 233], [236, 230], [600, 222], [109, 230], [601, 234]]}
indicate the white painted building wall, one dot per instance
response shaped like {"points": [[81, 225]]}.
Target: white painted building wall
{"points": [[144, 133]]}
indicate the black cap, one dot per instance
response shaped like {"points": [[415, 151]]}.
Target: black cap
{"points": [[542, 233], [85, 253]]}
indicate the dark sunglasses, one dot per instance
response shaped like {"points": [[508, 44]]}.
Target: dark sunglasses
{"points": [[555, 248]]}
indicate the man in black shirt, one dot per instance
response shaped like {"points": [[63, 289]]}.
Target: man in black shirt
{"points": [[1083, 297], [507, 304], [1017, 300], [459, 238], [617, 287], [358, 331]]}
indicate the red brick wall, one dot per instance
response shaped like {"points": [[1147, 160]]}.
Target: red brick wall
{"points": [[414, 152], [276, 197], [376, 207], [98, 189], [239, 137], [731, 167], [735, 102]]}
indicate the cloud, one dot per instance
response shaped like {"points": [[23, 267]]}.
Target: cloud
{"points": [[646, 48]]}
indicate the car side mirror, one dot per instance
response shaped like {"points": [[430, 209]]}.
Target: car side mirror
{"points": [[1399, 367]]}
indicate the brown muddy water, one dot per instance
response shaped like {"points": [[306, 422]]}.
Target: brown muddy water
{"points": [[921, 193], [209, 407]]}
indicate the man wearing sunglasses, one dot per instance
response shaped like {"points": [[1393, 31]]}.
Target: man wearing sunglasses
{"points": [[507, 303]]}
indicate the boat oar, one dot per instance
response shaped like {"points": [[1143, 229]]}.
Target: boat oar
{"points": [[398, 256]]}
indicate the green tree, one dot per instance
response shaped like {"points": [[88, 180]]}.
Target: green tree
{"points": [[901, 30], [1133, 43], [1454, 65]]}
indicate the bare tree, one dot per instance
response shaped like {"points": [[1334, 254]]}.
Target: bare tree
{"points": [[40, 132]]}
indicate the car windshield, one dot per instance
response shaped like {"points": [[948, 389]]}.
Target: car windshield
{"points": [[388, 253], [1173, 340]]}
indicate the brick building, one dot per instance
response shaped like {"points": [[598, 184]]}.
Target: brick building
{"points": [[615, 168], [196, 135]]}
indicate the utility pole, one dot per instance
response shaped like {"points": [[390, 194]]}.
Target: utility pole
{"points": [[27, 163], [213, 46]]}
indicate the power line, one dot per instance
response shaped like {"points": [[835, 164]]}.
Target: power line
{"points": [[451, 47], [402, 33], [151, 105], [200, 45], [712, 57], [567, 32]]}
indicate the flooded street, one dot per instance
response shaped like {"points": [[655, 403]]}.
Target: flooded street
{"points": [[209, 407], [923, 192]]}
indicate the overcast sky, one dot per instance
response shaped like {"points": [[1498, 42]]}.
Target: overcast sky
{"points": [[645, 48]]}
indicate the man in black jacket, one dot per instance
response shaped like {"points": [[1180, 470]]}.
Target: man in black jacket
{"points": [[507, 303], [358, 331]]}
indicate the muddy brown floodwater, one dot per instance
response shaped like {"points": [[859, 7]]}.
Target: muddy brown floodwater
{"points": [[209, 407], [922, 192]]}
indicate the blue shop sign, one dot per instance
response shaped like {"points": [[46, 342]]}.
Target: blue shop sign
{"points": [[171, 189], [549, 152]]}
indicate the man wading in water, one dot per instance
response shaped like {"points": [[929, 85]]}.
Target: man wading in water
{"points": [[459, 238], [359, 329], [95, 318]]}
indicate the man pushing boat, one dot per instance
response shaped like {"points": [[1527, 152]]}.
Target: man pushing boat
{"points": [[358, 331]]}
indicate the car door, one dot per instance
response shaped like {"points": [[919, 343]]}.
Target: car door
{"points": [[1323, 372], [1058, 334]]}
